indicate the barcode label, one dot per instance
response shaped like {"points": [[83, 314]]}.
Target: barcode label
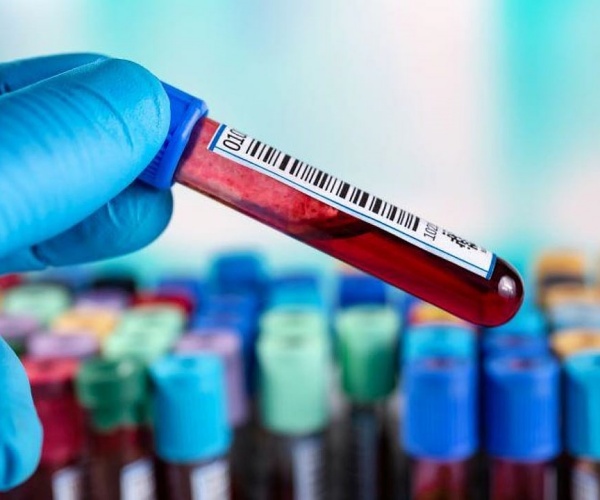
{"points": [[259, 156]]}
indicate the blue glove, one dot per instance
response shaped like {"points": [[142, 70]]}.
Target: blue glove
{"points": [[75, 132]]}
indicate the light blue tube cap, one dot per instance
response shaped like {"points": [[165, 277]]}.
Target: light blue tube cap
{"points": [[190, 412], [522, 408], [529, 321], [438, 340], [441, 408], [583, 404]]}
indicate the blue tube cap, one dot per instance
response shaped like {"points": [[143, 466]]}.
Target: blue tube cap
{"points": [[361, 289], [441, 408], [529, 322], [438, 340], [522, 408], [514, 345], [296, 289], [583, 404], [238, 272], [186, 111], [190, 413]]}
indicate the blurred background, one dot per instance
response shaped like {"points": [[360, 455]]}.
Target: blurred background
{"points": [[480, 116]]}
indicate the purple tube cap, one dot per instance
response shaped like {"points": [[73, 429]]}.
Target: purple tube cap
{"points": [[48, 345], [16, 327], [226, 344], [112, 299]]}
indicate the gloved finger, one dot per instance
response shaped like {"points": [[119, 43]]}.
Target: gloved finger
{"points": [[70, 143], [127, 223], [20, 428], [15, 75]]}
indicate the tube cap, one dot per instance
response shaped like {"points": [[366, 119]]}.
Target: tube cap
{"points": [[227, 346], [361, 289], [151, 320], [114, 299], [196, 287], [43, 301], [293, 382], [522, 408], [529, 321], [16, 329], [575, 315], [441, 408], [296, 289], [186, 110], [52, 387], [583, 405], [445, 340], [368, 343], [75, 345], [566, 343], [182, 299], [113, 391], [294, 320], [190, 412], [514, 345], [238, 272]]}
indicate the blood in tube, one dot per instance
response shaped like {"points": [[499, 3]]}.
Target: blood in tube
{"points": [[335, 217]]}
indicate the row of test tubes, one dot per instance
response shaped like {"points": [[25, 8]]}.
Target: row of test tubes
{"points": [[249, 384]]}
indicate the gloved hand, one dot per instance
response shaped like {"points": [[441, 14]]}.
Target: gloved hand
{"points": [[75, 132]]}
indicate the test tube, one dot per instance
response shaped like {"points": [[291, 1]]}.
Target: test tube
{"points": [[192, 436], [17, 329], [78, 346], [119, 465], [59, 474], [367, 346], [583, 432], [294, 413], [440, 428], [522, 427], [332, 216]]}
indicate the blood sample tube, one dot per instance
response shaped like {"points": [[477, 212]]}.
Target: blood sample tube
{"points": [[582, 416], [192, 436], [79, 346], [367, 346], [294, 414], [522, 427], [439, 340], [17, 329], [332, 216], [119, 463], [440, 428], [59, 474]]}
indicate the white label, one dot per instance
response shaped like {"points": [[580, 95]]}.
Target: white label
{"points": [[585, 485], [211, 482], [307, 468], [263, 158], [137, 481], [66, 484]]}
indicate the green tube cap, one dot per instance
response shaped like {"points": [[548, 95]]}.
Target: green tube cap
{"points": [[114, 392], [293, 382], [43, 301], [367, 347]]}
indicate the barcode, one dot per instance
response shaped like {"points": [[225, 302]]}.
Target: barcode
{"points": [[330, 184], [257, 155]]}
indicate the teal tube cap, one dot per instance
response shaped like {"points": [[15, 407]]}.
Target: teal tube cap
{"points": [[190, 410], [583, 405], [438, 340]]}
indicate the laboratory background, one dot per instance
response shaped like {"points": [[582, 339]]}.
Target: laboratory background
{"points": [[310, 379]]}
